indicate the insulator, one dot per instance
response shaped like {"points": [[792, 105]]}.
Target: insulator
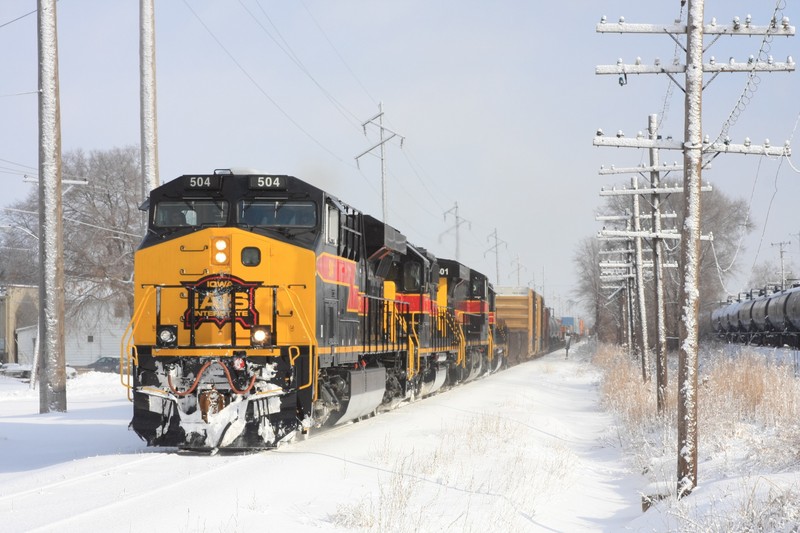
{"points": [[603, 19]]}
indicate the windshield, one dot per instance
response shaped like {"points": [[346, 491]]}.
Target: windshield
{"points": [[191, 213], [277, 213]]}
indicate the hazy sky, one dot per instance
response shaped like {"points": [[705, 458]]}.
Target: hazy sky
{"points": [[498, 103]]}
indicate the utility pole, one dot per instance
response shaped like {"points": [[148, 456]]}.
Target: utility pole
{"points": [[693, 147], [496, 250], [52, 378], [639, 271], [658, 274], [147, 97], [688, 331], [382, 145], [635, 233], [454, 212], [783, 272], [621, 272], [655, 169]]}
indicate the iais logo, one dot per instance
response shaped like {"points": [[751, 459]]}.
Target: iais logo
{"points": [[221, 298]]}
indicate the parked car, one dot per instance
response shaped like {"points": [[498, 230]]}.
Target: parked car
{"points": [[105, 364], [16, 370], [23, 372]]}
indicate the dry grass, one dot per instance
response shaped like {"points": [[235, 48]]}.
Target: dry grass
{"points": [[476, 458], [748, 418]]}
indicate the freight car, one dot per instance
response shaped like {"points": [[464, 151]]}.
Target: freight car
{"points": [[531, 329], [769, 317], [264, 306]]}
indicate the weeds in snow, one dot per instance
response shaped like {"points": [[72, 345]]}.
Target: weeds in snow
{"points": [[748, 412], [449, 462]]}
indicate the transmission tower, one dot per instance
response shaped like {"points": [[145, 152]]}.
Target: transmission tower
{"points": [[454, 212], [382, 145], [496, 249]]}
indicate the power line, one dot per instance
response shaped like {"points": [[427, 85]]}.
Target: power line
{"points": [[3, 25], [259, 87], [319, 27], [287, 49], [753, 80]]}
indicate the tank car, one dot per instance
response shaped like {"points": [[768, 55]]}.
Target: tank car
{"points": [[264, 306], [771, 318]]}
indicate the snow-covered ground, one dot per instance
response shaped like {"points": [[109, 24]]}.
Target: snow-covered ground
{"points": [[527, 449]]}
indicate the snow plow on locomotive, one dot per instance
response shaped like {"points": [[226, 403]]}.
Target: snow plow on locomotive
{"points": [[264, 306]]}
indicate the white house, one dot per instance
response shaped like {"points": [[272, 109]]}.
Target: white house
{"points": [[84, 343]]}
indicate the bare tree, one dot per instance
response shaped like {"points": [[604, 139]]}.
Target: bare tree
{"points": [[102, 228], [588, 288], [767, 275], [725, 218]]}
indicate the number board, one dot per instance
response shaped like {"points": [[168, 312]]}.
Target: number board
{"points": [[202, 182], [268, 182]]}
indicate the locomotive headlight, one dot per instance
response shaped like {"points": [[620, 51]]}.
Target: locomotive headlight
{"points": [[220, 251], [167, 336], [261, 336]]}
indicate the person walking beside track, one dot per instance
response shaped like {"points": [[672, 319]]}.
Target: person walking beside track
{"points": [[567, 338]]}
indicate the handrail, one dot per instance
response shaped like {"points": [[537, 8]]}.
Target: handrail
{"points": [[462, 340], [412, 337], [128, 347], [491, 346], [313, 345]]}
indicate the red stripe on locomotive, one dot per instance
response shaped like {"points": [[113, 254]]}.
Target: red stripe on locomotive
{"points": [[417, 303], [340, 271]]}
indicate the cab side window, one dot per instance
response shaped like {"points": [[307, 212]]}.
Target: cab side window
{"points": [[412, 274]]}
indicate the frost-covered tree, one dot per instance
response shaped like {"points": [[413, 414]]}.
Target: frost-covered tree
{"points": [[589, 290], [722, 216], [102, 228], [767, 275]]}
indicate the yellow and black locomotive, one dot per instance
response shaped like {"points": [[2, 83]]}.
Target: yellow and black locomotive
{"points": [[264, 306]]}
